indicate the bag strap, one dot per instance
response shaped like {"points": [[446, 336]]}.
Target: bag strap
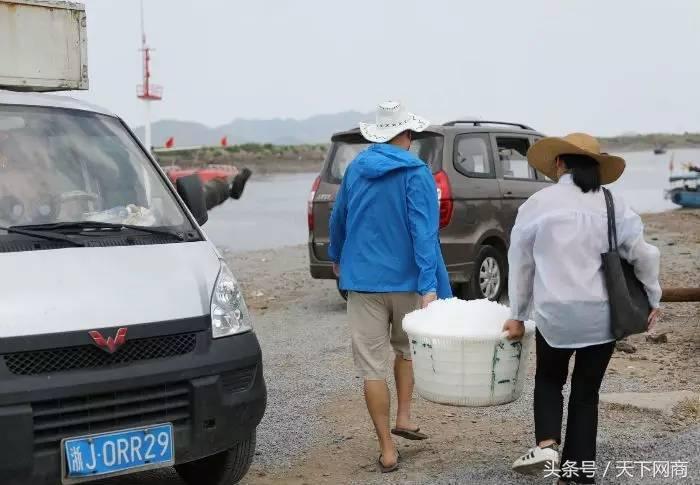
{"points": [[612, 226]]}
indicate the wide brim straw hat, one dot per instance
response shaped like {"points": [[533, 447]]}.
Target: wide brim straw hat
{"points": [[543, 155], [392, 118]]}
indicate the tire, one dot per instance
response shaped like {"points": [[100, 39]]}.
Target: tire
{"points": [[239, 183], [343, 293], [222, 189], [211, 198], [489, 276], [225, 468]]}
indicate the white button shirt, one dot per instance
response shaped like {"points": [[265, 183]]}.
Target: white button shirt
{"points": [[556, 272]]}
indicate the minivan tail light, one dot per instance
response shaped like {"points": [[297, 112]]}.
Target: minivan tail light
{"points": [[310, 205], [444, 193]]}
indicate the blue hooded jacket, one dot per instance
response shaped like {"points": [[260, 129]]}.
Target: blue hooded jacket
{"points": [[384, 225]]}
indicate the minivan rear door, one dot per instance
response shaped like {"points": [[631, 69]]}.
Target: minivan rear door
{"points": [[344, 148]]}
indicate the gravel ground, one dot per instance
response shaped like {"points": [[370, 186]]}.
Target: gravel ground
{"points": [[316, 429]]}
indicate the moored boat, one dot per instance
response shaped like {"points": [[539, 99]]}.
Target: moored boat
{"points": [[684, 190], [686, 198]]}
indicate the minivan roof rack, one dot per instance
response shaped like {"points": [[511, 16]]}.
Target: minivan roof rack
{"points": [[485, 122]]}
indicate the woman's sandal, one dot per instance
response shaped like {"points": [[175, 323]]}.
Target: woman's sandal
{"points": [[388, 469], [409, 434]]}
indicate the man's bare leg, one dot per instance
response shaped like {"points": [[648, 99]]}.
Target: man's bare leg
{"points": [[378, 405], [403, 375]]}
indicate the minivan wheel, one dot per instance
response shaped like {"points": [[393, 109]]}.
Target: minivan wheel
{"points": [[489, 275], [224, 468], [343, 293]]}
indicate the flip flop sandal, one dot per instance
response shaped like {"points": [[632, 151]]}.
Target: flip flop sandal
{"points": [[388, 469], [410, 434]]}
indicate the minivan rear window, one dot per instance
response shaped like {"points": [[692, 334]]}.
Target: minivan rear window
{"points": [[343, 152]]}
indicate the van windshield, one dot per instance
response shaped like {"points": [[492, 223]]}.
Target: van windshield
{"points": [[343, 152], [72, 166]]}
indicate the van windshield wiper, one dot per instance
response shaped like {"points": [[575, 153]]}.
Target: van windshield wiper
{"points": [[41, 235], [96, 227]]}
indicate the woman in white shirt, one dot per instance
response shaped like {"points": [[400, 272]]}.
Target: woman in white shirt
{"points": [[556, 278]]}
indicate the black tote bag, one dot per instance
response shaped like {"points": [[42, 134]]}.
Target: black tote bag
{"points": [[629, 303]]}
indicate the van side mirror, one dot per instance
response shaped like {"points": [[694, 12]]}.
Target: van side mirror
{"points": [[192, 193]]}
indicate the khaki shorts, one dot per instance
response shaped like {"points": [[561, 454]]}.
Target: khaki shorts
{"points": [[375, 324]]}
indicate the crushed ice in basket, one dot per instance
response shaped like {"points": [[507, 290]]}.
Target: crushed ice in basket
{"points": [[458, 318]]}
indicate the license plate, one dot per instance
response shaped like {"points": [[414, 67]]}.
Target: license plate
{"points": [[117, 452]]}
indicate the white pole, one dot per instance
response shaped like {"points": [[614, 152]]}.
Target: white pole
{"points": [[143, 31], [147, 126]]}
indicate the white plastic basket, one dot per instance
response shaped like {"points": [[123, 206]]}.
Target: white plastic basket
{"points": [[467, 371]]}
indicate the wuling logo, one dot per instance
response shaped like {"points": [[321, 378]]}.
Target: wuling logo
{"points": [[110, 344]]}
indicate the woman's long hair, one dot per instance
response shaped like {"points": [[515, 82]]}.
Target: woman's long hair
{"points": [[584, 170]]}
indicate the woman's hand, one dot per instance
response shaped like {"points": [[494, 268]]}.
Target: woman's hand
{"points": [[515, 329], [654, 315], [336, 270]]}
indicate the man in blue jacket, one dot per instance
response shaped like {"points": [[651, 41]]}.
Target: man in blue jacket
{"points": [[385, 249]]}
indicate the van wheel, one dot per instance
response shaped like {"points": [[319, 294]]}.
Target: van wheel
{"points": [[489, 275], [343, 293], [224, 468]]}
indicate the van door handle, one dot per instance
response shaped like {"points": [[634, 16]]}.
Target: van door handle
{"points": [[508, 194]]}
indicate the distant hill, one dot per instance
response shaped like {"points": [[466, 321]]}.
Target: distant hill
{"points": [[318, 129], [640, 142], [288, 131]]}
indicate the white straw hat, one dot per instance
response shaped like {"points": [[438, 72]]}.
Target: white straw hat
{"points": [[392, 119]]}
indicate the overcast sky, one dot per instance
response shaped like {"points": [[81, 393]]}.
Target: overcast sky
{"points": [[601, 66]]}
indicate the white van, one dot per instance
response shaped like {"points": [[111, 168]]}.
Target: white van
{"points": [[125, 342]]}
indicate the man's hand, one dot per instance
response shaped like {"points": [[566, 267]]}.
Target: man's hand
{"points": [[427, 299], [336, 270], [653, 317], [515, 329]]}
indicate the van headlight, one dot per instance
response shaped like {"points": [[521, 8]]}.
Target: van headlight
{"points": [[229, 313]]}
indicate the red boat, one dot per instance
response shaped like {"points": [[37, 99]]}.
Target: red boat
{"points": [[221, 172]]}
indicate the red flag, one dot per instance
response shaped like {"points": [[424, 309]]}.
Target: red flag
{"points": [[170, 142], [224, 141]]}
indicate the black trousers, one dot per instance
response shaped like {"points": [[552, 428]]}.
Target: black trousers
{"points": [[582, 423]]}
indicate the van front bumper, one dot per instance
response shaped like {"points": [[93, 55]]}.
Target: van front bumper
{"points": [[214, 395]]}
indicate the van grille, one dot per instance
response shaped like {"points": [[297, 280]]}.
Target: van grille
{"points": [[90, 356], [64, 418]]}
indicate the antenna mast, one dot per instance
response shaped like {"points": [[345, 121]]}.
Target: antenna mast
{"points": [[147, 92]]}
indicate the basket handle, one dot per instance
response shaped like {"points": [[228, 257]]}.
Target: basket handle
{"points": [[504, 336]]}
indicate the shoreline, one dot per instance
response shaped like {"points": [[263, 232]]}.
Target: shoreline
{"points": [[293, 159], [264, 165]]}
